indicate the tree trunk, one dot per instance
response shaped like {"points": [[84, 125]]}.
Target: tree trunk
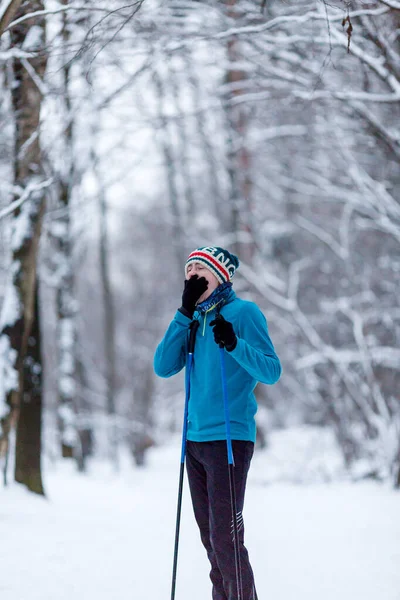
{"points": [[109, 328], [7, 13], [69, 403], [141, 439], [18, 317], [108, 305], [84, 426], [29, 428], [167, 151], [208, 148], [239, 158], [182, 143]]}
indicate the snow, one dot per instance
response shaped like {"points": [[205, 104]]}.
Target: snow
{"points": [[302, 454], [8, 374], [34, 38], [21, 226], [68, 417], [11, 308], [108, 536], [10, 312]]}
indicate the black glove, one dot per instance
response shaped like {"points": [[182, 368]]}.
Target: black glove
{"points": [[224, 334], [194, 288]]}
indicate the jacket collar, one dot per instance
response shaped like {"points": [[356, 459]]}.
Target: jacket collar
{"points": [[220, 296]]}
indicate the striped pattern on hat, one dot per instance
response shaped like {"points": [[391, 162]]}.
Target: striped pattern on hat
{"points": [[219, 261]]}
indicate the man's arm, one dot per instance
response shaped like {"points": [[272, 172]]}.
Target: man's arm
{"points": [[254, 350], [170, 355]]}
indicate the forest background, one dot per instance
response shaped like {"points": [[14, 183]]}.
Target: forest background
{"points": [[131, 134]]}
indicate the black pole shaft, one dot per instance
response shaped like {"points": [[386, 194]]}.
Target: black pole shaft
{"points": [[235, 528], [178, 523], [193, 327]]}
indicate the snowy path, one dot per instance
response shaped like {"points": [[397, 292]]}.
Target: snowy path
{"points": [[105, 537]]}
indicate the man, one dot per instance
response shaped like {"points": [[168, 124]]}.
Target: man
{"points": [[241, 328]]}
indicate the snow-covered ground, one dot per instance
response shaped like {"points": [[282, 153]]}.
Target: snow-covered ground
{"points": [[111, 536]]}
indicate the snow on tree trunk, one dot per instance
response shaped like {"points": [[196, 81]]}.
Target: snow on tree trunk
{"points": [[17, 324]]}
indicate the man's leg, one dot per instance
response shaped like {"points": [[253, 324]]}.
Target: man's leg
{"points": [[197, 478], [220, 517]]}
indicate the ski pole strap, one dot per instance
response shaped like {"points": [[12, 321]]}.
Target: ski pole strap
{"points": [[226, 409]]}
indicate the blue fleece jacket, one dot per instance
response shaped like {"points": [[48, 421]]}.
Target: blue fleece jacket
{"points": [[252, 360]]}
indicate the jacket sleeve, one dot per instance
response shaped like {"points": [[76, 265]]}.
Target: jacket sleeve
{"points": [[254, 350], [170, 355]]}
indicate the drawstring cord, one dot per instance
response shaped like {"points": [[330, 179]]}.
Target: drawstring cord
{"points": [[221, 302]]}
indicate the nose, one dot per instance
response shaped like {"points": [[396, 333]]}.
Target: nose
{"points": [[193, 271]]}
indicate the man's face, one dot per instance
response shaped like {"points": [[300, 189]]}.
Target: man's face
{"points": [[197, 268]]}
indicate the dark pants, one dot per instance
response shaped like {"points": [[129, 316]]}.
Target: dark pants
{"points": [[208, 475]]}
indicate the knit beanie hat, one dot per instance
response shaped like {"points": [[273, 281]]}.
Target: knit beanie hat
{"points": [[220, 262]]}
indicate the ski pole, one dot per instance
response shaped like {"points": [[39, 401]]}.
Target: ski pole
{"points": [[231, 466], [193, 329]]}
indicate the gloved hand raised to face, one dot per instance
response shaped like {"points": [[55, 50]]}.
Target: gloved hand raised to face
{"points": [[194, 288], [224, 334]]}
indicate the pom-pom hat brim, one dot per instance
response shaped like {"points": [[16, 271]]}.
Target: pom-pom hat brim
{"points": [[219, 261]]}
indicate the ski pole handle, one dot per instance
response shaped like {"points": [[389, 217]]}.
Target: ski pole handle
{"points": [[194, 325], [219, 318]]}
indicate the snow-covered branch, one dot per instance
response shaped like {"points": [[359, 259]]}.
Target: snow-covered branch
{"points": [[87, 8], [351, 95], [61, 9], [385, 356], [324, 236], [32, 188], [313, 15]]}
